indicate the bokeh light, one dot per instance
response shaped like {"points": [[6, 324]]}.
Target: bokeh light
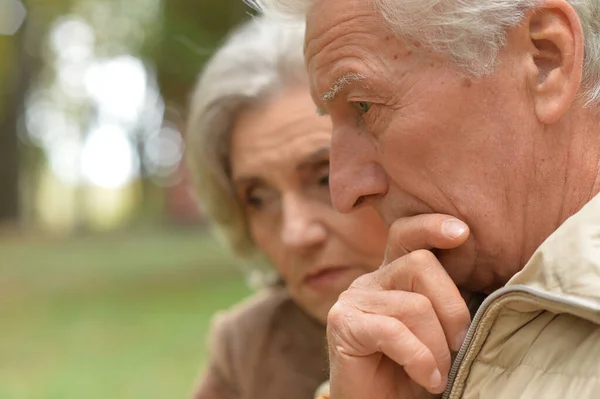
{"points": [[12, 16], [116, 95], [118, 86], [73, 39], [108, 158], [163, 153]]}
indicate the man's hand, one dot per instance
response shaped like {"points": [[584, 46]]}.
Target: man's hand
{"points": [[390, 334]]}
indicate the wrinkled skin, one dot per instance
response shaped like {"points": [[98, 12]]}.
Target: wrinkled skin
{"points": [[280, 170], [506, 158]]}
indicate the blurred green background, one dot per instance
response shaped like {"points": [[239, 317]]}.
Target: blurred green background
{"points": [[109, 274]]}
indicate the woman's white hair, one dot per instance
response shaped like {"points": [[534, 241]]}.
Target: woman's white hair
{"points": [[256, 62], [470, 32]]}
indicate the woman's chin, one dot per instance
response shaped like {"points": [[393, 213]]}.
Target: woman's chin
{"points": [[321, 293]]}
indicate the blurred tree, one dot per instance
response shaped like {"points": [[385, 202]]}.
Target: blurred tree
{"points": [[175, 47], [15, 76], [190, 33], [192, 30], [22, 61]]}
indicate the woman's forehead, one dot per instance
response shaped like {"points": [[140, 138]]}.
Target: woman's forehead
{"points": [[283, 134], [294, 155]]}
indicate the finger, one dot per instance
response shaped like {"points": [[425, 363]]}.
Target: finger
{"points": [[415, 311], [420, 272], [389, 336], [425, 231]]}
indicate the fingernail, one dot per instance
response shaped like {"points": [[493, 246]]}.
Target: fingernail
{"points": [[460, 338], [436, 379], [454, 228]]}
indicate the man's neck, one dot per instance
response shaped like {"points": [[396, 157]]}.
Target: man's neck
{"points": [[582, 169], [567, 179]]}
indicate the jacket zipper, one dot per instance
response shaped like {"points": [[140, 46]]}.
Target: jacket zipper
{"points": [[579, 303]]}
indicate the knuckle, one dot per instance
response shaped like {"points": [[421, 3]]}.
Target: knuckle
{"points": [[421, 257], [418, 265], [339, 315], [346, 298], [419, 305], [460, 312], [361, 282], [418, 354], [345, 331], [444, 359]]}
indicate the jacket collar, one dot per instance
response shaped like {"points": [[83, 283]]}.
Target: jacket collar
{"points": [[568, 262]]}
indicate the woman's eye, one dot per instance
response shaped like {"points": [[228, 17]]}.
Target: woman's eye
{"points": [[254, 198], [254, 202], [260, 198], [363, 106], [324, 180]]}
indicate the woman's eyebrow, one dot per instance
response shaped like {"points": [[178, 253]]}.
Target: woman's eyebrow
{"points": [[245, 181], [319, 156]]}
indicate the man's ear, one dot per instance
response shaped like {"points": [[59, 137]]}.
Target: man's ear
{"points": [[556, 49]]}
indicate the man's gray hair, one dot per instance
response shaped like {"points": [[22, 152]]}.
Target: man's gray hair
{"points": [[257, 61], [469, 32]]}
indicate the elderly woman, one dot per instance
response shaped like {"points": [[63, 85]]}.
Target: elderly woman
{"points": [[260, 154]]}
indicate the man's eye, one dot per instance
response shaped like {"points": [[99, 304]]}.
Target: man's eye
{"points": [[363, 106]]}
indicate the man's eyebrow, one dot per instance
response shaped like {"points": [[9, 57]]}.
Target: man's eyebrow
{"points": [[339, 85]]}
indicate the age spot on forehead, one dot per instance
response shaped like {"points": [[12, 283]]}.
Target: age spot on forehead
{"points": [[408, 54], [467, 82]]}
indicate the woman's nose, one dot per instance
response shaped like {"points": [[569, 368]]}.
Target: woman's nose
{"points": [[301, 225]]}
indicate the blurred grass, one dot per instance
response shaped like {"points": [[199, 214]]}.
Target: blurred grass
{"points": [[116, 316]]}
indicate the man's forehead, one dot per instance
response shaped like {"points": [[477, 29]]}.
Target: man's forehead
{"points": [[328, 19], [336, 30]]}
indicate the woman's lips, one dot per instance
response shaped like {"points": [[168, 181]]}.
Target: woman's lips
{"points": [[328, 278]]}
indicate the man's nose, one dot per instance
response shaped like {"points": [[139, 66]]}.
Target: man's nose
{"points": [[301, 225], [355, 177]]}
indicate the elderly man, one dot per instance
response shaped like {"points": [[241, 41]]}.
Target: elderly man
{"points": [[473, 127]]}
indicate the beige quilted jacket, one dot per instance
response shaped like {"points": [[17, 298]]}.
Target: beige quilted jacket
{"points": [[539, 336]]}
